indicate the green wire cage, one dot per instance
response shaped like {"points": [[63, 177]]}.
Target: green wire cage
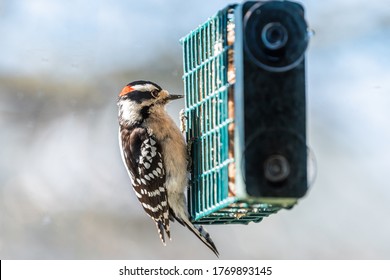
{"points": [[217, 193]]}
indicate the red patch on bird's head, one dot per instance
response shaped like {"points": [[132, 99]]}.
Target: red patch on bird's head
{"points": [[126, 90]]}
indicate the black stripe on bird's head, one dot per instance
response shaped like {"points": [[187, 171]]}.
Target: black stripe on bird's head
{"points": [[140, 91]]}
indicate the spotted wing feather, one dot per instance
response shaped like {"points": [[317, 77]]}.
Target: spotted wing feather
{"points": [[142, 156]]}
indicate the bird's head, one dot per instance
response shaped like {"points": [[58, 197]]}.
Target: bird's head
{"points": [[138, 97]]}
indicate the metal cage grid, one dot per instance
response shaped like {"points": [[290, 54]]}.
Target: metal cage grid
{"points": [[208, 86], [206, 89]]}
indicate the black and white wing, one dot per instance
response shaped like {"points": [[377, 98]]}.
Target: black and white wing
{"points": [[142, 156]]}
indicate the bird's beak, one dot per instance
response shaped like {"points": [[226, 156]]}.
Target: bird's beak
{"points": [[174, 96]]}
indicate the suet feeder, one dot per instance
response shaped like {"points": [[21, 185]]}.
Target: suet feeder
{"points": [[244, 84]]}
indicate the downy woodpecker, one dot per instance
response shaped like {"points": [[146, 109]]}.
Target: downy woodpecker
{"points": [[155, 155]]}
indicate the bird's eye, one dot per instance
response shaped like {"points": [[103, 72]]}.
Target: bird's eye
{"points": [[155, 93]]}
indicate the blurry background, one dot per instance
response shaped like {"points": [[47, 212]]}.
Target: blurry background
{"points": [[64, 193]]}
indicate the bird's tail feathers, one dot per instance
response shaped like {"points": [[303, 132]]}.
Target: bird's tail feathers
{"points": [[163, 228], [201, 233]]}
